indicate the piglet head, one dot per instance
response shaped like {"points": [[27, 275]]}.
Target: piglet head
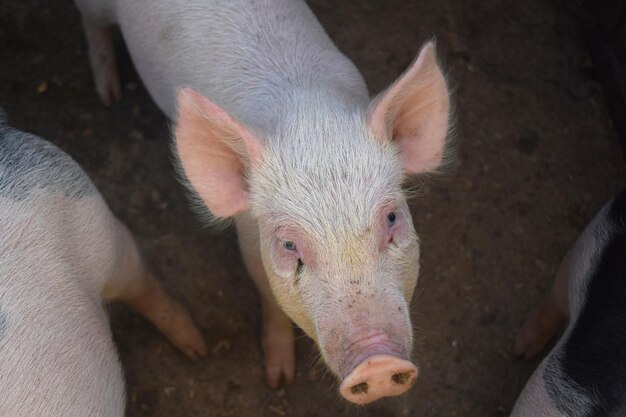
{"points": [[336, 235]]}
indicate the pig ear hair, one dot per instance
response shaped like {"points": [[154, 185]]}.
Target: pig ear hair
{"points": [[214, 152], [415, 113]]}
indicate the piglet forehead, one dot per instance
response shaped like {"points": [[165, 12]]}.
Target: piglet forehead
{"points": [[332, 189], [347, 223]]}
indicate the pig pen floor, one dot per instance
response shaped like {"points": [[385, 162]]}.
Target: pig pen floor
{"points": [[536, 157]]}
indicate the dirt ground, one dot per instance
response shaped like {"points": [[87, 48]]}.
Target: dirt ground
{"points": [[537, 156]]}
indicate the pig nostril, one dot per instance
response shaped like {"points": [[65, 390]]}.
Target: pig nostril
{"points": [[401, 378], [359, 388]]}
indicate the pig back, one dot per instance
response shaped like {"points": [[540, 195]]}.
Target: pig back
{"points": [[584, 374], [249, 56], [591, 354], [50, 209], [29, 164]]}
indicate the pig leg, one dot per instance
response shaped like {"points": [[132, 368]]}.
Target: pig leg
{"points": [[277, 334], [548, 318], [133, 284], [102, 59]]}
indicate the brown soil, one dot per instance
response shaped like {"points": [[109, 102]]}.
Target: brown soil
{"points": [[537, 156]]}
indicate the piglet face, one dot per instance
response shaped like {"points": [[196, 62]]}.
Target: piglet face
{"points": [[325, 186], [342, 256], [353, 299], [308, 270]]}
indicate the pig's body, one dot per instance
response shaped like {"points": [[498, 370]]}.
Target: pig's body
{"points": [[289, 144], [256, 59], [61, 252], [56, 352], [585, 373]]}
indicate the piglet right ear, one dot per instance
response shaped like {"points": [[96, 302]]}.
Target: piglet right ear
{"points": [[415, 113], [215, 151]]}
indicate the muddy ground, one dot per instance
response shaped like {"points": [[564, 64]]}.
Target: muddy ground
{"points": [[537, 156]]}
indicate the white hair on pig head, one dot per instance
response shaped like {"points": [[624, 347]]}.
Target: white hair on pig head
{"points": [[215, 151], [325, 203], [326, 173]]}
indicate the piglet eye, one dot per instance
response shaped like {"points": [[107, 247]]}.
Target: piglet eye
{"points": [[289, 245], [391, 218]]}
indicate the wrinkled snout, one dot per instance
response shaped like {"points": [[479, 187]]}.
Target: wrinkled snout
{"points": [[373, 366], [376, 377], [367, 344]]}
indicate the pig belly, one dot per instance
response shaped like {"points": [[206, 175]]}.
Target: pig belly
{"points": [[57, 357]]}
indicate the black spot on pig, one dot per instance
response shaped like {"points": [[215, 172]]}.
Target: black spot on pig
{"points": [[593, 358], [29, 164], [617, 211], [566, 396]]}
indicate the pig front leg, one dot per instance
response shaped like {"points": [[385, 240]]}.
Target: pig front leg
{"points": [[133, 284], [548, 318], [277, 334], [150, 300], [102, 60]]}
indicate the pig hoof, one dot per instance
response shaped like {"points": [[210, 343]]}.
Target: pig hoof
{"points": [[376, 377], [280, 366], [184, 334], [542, 324], [275, 373], [108, 86], [280, 360], [171, 319], [528, 343], [194, 349]]}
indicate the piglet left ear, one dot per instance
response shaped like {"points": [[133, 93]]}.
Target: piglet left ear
{"points": [[415, 111], [215, 151]]}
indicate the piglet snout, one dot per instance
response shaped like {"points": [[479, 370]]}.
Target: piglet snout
{"points": [[376, 377]]}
